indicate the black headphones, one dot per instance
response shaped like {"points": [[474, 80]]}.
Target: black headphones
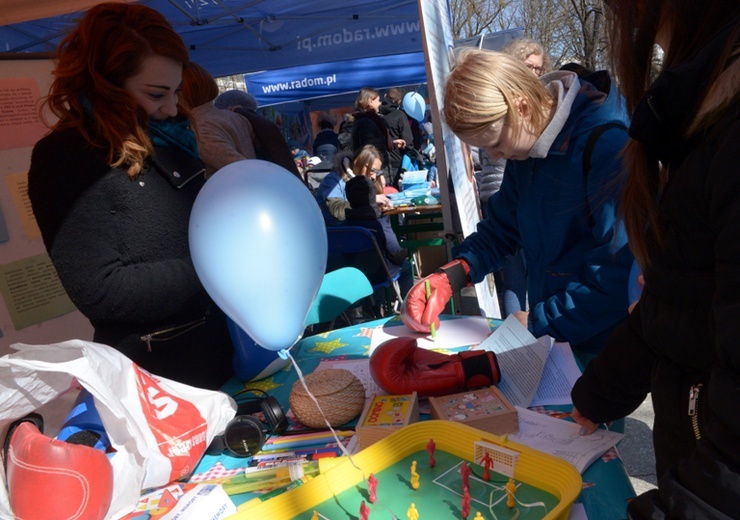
{"points": [[245, 434]]}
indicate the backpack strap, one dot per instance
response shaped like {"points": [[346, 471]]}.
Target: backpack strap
{"points": [[587, 152]]}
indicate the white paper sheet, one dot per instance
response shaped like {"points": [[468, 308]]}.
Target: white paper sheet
{"points": [[560, 374], [577, 512], [562, 438], [460, 332], [521, 359]]}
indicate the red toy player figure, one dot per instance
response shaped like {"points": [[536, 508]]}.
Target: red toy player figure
{"points": [[372, 487], [465, 503], [364, 511], [465, 474], [431, 446], [487, 462]]}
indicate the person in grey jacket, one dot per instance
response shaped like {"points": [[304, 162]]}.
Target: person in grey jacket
{"points": [[223, 136]]}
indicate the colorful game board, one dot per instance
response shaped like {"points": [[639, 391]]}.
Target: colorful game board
{"points": [[545, 486]]}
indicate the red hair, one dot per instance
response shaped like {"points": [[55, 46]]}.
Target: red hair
{"points": [[93, 63], [198, 86]]}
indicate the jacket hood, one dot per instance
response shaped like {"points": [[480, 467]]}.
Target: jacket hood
{"points": [[721, 93], [685, 99], [386, 107]]}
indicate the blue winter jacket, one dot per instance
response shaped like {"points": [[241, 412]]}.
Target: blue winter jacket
{"points": [[332, 186], [578, 261]]}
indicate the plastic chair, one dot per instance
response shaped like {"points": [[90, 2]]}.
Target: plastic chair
{"points": [[357, 246], [339, 290]]}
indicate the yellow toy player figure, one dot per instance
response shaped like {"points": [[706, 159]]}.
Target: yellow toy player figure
{"points": [[414, 476], [412, 513], [315, 515], [478, 516], [510, 492]]}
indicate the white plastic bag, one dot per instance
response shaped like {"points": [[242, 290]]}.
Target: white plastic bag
{"points": [[159, 427]]}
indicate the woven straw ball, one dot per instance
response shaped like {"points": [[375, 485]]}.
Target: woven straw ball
{"points": [[340, 394]]}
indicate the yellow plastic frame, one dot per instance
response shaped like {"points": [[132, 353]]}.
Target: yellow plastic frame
{"points": [[535, 468]]}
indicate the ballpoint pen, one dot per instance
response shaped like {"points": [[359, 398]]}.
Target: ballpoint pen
{"points": [[274, 493]]}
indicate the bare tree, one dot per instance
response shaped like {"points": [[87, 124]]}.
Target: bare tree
{"points": [[570, 30], [475, 17], [231, 83], [586, 35]]}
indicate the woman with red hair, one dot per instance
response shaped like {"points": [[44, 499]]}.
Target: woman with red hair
{"points": [[112, 187]]}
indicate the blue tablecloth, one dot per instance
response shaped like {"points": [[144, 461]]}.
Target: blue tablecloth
{"points": [[606, 485]]}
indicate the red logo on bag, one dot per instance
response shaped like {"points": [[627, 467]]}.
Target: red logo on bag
{"points": [[176, 423]]}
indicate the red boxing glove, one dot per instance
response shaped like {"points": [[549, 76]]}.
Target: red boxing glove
{"points": [[399, 367], [418, 312], [49, 478]]}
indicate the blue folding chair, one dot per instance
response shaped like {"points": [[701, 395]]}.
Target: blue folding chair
{"points": [[357, 246], [339, 291]]}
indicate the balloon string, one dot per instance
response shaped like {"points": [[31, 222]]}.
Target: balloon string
{"points": [[316, 402]]}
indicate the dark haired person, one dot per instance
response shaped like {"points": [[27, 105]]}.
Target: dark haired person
{"points": [[398, 128], [681, 207], [326, 142]]}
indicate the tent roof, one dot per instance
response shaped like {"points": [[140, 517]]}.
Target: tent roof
{"points": [[322, 86], [237, 36]]}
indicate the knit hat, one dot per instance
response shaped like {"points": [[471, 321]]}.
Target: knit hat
{"points": [[232, 98], [360, 192]]}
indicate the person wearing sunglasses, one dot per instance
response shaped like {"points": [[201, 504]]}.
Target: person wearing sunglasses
{"points": [[557, 201], [331, 194]]}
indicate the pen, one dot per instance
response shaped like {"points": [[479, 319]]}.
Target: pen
{"points": [[299, 444], [305, 436], [267, 479], [274, 493], [429, 293], [306, 453]]}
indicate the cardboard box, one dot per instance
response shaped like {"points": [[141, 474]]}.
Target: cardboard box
{"points": [[385, 414], [485, 408]]}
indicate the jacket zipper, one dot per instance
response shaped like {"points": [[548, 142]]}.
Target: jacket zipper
{"points": [[694, 409], [181, 329]]}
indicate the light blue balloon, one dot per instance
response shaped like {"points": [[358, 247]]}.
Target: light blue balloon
{"points": [[258, 243], [414, 105]]}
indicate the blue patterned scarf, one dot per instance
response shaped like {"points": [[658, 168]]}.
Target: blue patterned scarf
{"points": [[170, 132], [174, 132]]}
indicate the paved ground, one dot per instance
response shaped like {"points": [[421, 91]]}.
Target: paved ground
{"points": [[636, 449]]}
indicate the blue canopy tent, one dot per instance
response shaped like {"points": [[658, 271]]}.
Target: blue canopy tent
{"points": [[323, 86], [236, 36]]}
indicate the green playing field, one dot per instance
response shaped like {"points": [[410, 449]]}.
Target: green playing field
{"points": [[439, 494]]}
